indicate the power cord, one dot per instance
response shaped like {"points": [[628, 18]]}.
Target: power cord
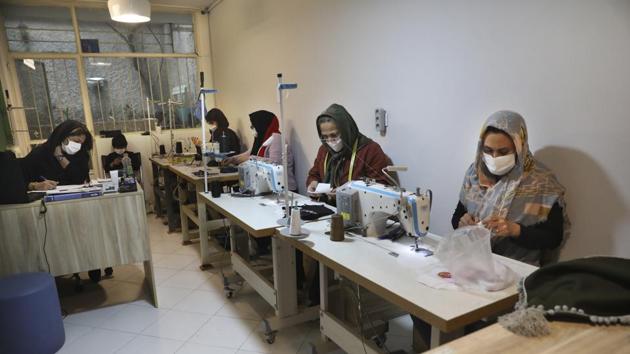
{"points": [[357, 298], [43, 209]]}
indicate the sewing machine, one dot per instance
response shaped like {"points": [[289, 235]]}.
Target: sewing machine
{"points": [[260, 177], [368, 206]]}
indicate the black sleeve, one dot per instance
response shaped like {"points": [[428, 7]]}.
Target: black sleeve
{"points": [[136, 161], [235, 142], [78, 171], [544, 235], [40, 162], [459, 212], [108, 162]]}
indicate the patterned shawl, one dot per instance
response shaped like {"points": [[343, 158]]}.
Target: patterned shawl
{"points": [[525, 195]]}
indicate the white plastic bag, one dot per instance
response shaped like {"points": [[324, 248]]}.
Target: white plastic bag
{"points": [[467, 255]]}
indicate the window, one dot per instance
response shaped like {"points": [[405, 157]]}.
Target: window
{"points": [[166, 33], [151, 71], [38, 29], [50, 94], [119, 88]]}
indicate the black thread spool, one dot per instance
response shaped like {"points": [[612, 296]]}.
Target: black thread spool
{"points": [[179, 147], [336, 228], [162, 150], [215, 189]]}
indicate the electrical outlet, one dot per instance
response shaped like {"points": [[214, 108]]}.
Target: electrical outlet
{"points": [[381, 121]]}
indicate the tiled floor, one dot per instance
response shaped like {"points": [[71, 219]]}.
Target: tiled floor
{"points": [[194, 315]]}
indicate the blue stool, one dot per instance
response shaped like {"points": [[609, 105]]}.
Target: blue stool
{"points": [[30, 315]]}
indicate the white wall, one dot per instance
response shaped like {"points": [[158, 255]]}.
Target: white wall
{"points": [[439, 68]]}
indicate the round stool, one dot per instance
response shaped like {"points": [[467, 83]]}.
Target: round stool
{"points": [[30, 315]]}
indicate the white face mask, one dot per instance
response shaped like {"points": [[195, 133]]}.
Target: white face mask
{"points": [[501, 165], [336, 144], [213, 127], [119, 151], [71, 148], [255, 133]]}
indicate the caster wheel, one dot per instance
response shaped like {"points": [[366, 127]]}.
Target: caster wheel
{"points": [[380, 340], [270, 338], [229, 294], [109, 271]]}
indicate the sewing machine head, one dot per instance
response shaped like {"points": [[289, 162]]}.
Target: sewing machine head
{"points": [[368, 206], [260, 177]]}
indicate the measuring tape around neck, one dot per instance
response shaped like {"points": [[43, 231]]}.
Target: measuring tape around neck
{"points": [[354, 154]]}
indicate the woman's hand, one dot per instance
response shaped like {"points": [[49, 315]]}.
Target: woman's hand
{"points": [[311, 187], [195, 140], [501, 227], [43, 185], [235, 160], [117, 162], [467, 220]]}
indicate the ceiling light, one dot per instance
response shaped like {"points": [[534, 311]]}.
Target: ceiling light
{"points": [[130, 11]]}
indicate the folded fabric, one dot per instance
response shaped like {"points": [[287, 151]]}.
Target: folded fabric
{"points": [[595, 289], [312, 212]]}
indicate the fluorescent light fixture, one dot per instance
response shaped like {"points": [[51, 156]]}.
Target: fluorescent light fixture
{"points": [[129, 11], [30, 63], [100, 63], [95, 79]]}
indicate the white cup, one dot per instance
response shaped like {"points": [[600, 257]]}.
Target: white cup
{"points": [[114, 175]]}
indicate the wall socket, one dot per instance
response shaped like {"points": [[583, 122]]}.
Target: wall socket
{"points": [[381, 121]]}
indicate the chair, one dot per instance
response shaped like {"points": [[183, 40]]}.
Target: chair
{"points": [[30, 314]]}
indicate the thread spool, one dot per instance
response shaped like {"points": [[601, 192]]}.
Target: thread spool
{"points": [[336, 228], [162, 150], [179, 148], [215, 189], [295, 226]]}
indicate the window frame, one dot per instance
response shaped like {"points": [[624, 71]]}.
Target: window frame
{"points": [[79, 57]]}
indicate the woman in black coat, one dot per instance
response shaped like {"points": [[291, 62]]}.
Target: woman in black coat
{"points": [[64, 158]]}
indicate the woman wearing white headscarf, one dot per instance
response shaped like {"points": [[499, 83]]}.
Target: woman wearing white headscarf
{"points": [[515, 196]]}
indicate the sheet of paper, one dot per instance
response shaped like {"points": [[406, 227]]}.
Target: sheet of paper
{"points": [[323, 188]]}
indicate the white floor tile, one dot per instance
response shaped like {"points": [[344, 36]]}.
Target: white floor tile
{"points": [[195, 348], [177, 325], [201, 302], [189, 250], [151, 345], [162, 274], [174, 261], [98, 341], [73, 331], [247, 306], [188, 279], [133, 319], [164, 247], [143, 303], [394, 343], [225, 332], [169, 297], [213, 283], [287, 341], [93, 318]]}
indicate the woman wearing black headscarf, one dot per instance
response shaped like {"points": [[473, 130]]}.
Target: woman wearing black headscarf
{"points": [[220, 133], [63, 158], [267, 144]]}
